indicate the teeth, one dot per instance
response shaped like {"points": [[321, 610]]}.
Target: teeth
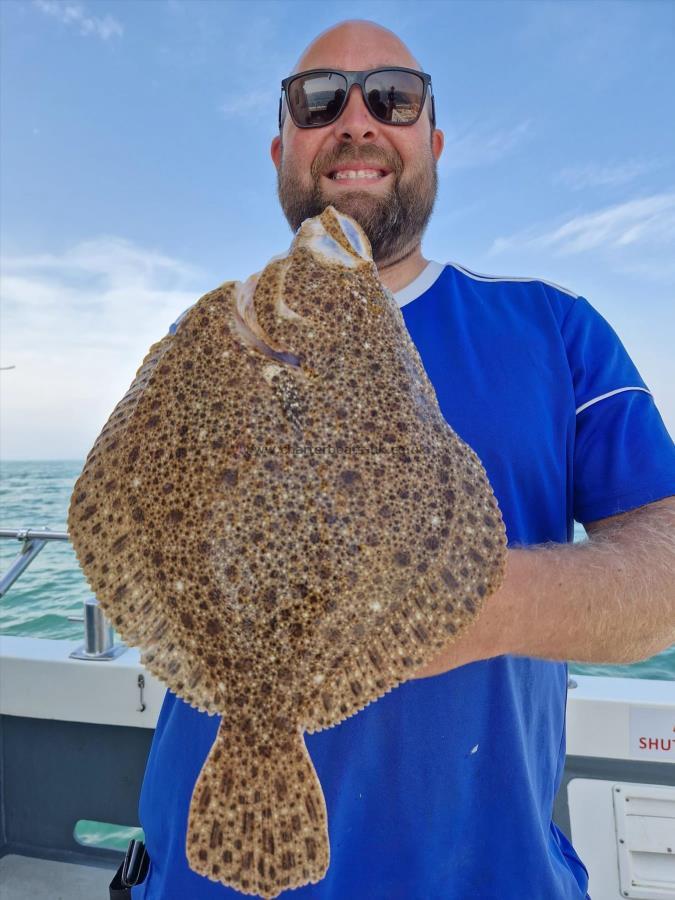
{"points": [[360, 173]]}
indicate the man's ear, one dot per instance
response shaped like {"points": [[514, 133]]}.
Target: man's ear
{"points": [[275, 151], [437, 142]]}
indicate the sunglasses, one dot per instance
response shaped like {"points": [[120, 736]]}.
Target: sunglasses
{"points": [[394, 95]]}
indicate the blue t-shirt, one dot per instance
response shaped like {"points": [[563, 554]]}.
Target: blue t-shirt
{"points": [[443, 789]]}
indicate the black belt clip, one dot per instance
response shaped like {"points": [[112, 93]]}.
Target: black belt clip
{"points": [[132, 870]]}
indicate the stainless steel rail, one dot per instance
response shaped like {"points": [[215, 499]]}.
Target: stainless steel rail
{"points": [[23, 533], [32, 542], [98, 632]]}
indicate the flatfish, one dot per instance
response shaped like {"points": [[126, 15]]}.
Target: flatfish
{"points": [[277, 514]]}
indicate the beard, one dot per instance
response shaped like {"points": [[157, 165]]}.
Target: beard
{"points": [[393, 222]]}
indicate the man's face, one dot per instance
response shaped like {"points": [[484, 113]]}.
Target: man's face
{"points": [[394, 209]]}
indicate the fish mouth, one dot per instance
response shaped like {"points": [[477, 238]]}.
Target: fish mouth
{"points": [[249, 330]]}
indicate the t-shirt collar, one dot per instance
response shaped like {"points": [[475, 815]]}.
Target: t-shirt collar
{"points": [[419, 285]]}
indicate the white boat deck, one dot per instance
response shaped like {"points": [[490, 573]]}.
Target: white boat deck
{"points": [[23, 877]]}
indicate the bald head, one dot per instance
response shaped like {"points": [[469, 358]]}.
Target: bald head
{"points": [[355, 44], [393, 197], [372, 44]]}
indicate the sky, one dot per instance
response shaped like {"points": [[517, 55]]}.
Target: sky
{"points": [[135, 173]]}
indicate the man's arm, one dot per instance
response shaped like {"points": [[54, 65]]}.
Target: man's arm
{"points": [[610, 599]]}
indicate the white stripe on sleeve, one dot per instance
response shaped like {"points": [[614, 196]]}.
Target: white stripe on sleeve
{"points": [[609, 394]]}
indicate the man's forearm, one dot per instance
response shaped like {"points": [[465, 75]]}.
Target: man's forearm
{"points": [[609, 599]]}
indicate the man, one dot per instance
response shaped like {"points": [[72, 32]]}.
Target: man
{"points": [[443, 789]]}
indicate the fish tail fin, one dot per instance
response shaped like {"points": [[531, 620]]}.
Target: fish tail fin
{"points": [[257, 819]]}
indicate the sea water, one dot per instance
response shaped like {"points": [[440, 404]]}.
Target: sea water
{"points": [[36, 494]]}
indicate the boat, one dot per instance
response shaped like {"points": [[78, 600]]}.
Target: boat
{"points": [[77, 720]]}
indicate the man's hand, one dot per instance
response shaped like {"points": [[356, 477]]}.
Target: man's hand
{"points": [[610, 599]]}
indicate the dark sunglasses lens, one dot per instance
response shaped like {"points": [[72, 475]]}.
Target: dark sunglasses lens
{"points": [[395, 97], [317, 99]]}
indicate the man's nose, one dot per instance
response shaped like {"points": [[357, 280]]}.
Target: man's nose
{"points": [[355, 121]]}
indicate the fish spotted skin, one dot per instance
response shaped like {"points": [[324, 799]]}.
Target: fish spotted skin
{"points": [[278, 516]]}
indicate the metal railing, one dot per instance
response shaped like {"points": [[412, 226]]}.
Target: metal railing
{"points": [[32, 542], [98, 632]]}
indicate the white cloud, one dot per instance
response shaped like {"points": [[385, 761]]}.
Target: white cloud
{"points": [[481, 145], [594, 175], [259, 60], [77, 325], [649, 221], [74, 14], [256, 103]]}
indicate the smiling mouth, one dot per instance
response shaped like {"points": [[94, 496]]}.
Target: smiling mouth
{"points": [[357, 177]]}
